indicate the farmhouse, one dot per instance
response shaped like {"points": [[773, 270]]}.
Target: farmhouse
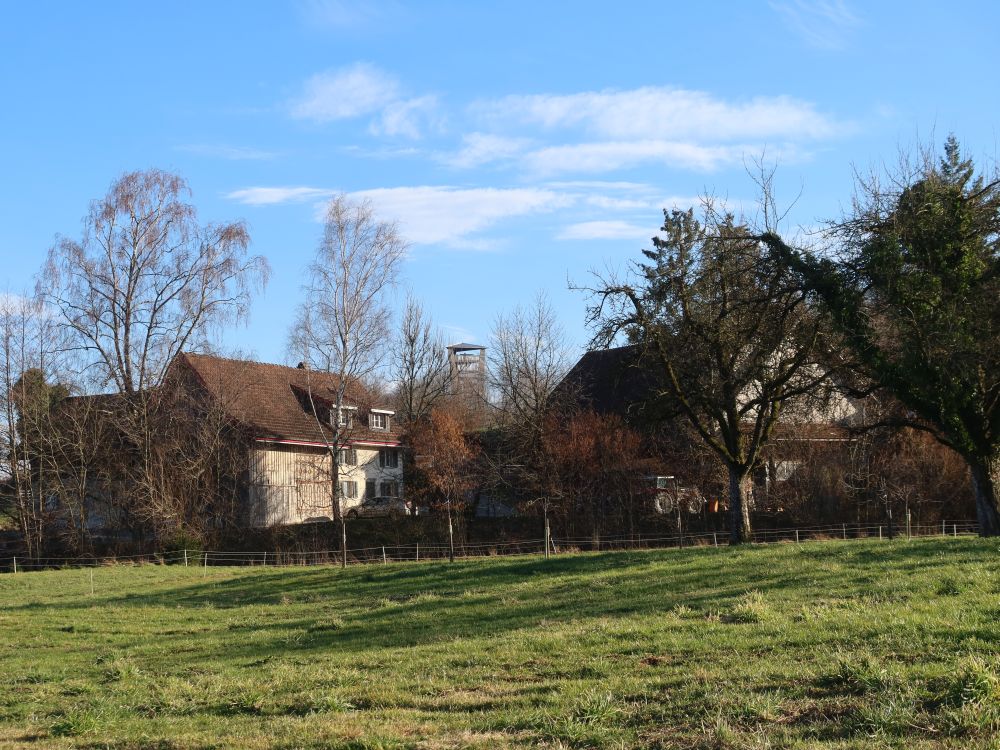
{"points": [[285, 414], [618, 381]]}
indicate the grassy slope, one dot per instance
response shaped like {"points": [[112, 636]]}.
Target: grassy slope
{"points": [[856, 644]]}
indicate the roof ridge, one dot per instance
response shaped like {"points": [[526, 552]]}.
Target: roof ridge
{"points": [[257, 362]]}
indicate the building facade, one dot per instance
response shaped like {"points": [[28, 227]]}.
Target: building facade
{"points": [[285, 414]]}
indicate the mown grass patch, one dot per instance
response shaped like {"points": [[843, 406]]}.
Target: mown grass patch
{"points": [[835, 644]]}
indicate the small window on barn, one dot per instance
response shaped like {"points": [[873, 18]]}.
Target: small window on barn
{"points": [[349, 490], [378, 421], [388, 458], [347, 457]]}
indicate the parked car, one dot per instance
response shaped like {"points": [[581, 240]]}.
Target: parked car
{"points": [[381, 506]]}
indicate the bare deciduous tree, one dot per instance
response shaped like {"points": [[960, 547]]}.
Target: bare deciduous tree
{"points": [[419, 365], [27, 351], [145, 282], [729, 331], [528, 358], [343, 324]]}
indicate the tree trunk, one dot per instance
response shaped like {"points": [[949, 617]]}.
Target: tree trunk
{"points": [[984, 483], [740, 492], [451, 536], [337, 505], [343, 541]]}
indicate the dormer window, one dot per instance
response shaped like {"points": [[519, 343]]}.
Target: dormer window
{"points": [[378, 419], [346, 416]]}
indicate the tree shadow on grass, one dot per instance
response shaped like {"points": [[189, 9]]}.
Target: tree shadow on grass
{"points": [[328, 610]]}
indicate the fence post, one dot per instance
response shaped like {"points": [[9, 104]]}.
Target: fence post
{"points": [[796, 536], [954, 529], [185, 558], [265, 558], [15, 564], [944, 531], [908, 534], [418, 551], [715, 538], [844, 525], [384, 561], [879, 532]]}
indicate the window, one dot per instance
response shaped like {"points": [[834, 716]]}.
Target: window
{"points": [[389, 489], [388, 458], [349, 490], [371, 488], [346, 416], [378, 421], [347, 457]]}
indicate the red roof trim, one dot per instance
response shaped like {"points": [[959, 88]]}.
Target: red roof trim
{"points": [[311, 444]]}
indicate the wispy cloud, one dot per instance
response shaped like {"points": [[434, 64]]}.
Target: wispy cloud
{"points": [[430, 215], [485, 148], [463, 217], [232, 153], [825, 24], [360, 90], [610, 156], [406, 117], [661, 113], [605, 230], [269, 196]]}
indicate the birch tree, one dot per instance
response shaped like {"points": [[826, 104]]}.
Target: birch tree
{"points": [[144, 282], [342, 326]]}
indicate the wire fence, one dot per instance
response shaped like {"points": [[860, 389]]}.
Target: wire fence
{"points": [[416, 552]]}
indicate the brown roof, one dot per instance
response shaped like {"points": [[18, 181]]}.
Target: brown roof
{"points": [[621, 380], [613, 381], [273, 400]]}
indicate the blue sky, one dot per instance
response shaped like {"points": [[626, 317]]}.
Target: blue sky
{"points": [[518, 145]]}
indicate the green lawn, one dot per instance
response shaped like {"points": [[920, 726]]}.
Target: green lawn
{"points": [[826, 644]]}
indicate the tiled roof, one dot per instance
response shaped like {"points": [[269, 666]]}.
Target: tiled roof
{"points": [[611, 381], [272, 400], [621, 381]]}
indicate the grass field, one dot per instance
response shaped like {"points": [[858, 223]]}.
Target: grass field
{"points": [[827, 644]]}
